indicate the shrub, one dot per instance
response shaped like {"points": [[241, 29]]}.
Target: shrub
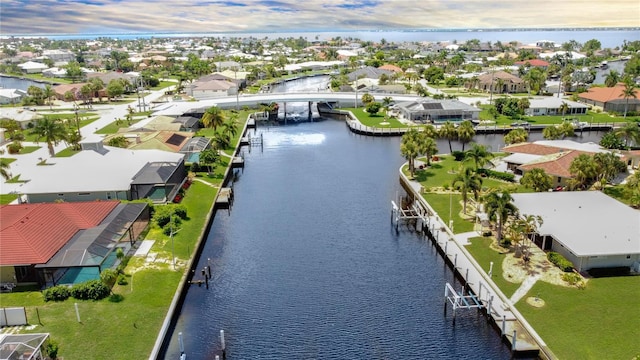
{"points": [[458, 155], [56, 293], [560, 261], [115, 298], [14, 147], [180, 211], [90, 290], [497, 175], [108, 277], [123, 264], [572, 278], [51, 349], [173, 225], [122, 280]]}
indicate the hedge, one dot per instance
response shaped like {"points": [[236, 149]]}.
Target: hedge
{"points": [[497, 175], [56, 293], [560, 261], [90, 290]]}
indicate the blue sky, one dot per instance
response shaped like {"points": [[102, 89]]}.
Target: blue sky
{"points": [[115, 16]]}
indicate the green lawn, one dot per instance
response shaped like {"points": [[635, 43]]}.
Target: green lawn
{"points": [[591, 117], [375, 120], [481, 251], [128, 329], [29, 149], [68, 152], [114, 127], [164, 84], [600, 322], [617, 192], [440, 203], [7, 161]]}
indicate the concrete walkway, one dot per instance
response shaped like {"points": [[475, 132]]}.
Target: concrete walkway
{"points": [[524, 288]]}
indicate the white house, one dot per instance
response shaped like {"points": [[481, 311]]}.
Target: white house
{"points": [[589, 228], [552, 106], [202, 90], [32, 67], [11, 96], [105, 173]]}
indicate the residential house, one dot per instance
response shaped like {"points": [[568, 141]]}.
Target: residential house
{"points": [[498, 82], [368, 72], [552, 106], [11, 96], [610, 99], [204, 90], [24, 117], [552, 156], [588, 228], [62, 89], [66, 243], [32, 67], [539, 63], [100, 173], [435, 111]]}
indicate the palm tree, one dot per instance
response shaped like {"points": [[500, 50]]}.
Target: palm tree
{"points": [[499, 206], [52, 131], [628, 92], [564, 107], [213, 117], [467, 181], [479, 155], [530, 225], [516, 136], [613, 77], [536, 179], [499, 85], [48, 94], [551, 132], [429, 148], [466, 132], [584, 171], [608, 165], [448, 131], [630, 132], [410, 148]]}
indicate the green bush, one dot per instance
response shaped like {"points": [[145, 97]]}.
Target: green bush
{"points": [[560, 261], [115, 298], [572, 278], [180, 211], [90, 290], [497, 175], [122, 280], [123, 264], [458, 155], [163, 214], [174, 225], [14, 147], [56, 293], [51, 349], [108, 277]]}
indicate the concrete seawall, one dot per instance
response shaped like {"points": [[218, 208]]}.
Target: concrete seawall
{"points": [[497, 307]]}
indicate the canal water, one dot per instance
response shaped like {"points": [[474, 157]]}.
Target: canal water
{"points": [[307, 265]]}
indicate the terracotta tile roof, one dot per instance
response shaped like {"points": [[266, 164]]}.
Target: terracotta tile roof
{"points": [[390, 67], [33, 233], [532, 149], [604, 94], [533, 62], [555, 164]]}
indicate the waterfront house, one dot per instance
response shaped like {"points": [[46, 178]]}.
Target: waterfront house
{"points": [[588, 228], [539, 63], [11, 96], [552, 106], [435, 111], [64, 243], [32, 67], [74, 89], [610, 99], [368, 72], [101, 172], [552, 156]]}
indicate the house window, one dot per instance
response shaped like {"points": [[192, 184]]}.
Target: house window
{"points": [[84, 194], [628, 256], [60, 194], [559, 179]]}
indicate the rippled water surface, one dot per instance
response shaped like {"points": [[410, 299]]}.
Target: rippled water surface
{"points": [[306, 266]]}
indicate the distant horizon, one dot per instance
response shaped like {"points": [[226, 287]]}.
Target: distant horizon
{"points": [[318, 31]]}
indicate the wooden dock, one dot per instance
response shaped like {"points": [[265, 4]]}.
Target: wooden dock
{"points": [[225, 198], [478, 284], [237, 162]]}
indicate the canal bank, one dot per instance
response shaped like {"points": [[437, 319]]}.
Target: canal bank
{"points": [[307, 265], [500, 313], [187, 279]]}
